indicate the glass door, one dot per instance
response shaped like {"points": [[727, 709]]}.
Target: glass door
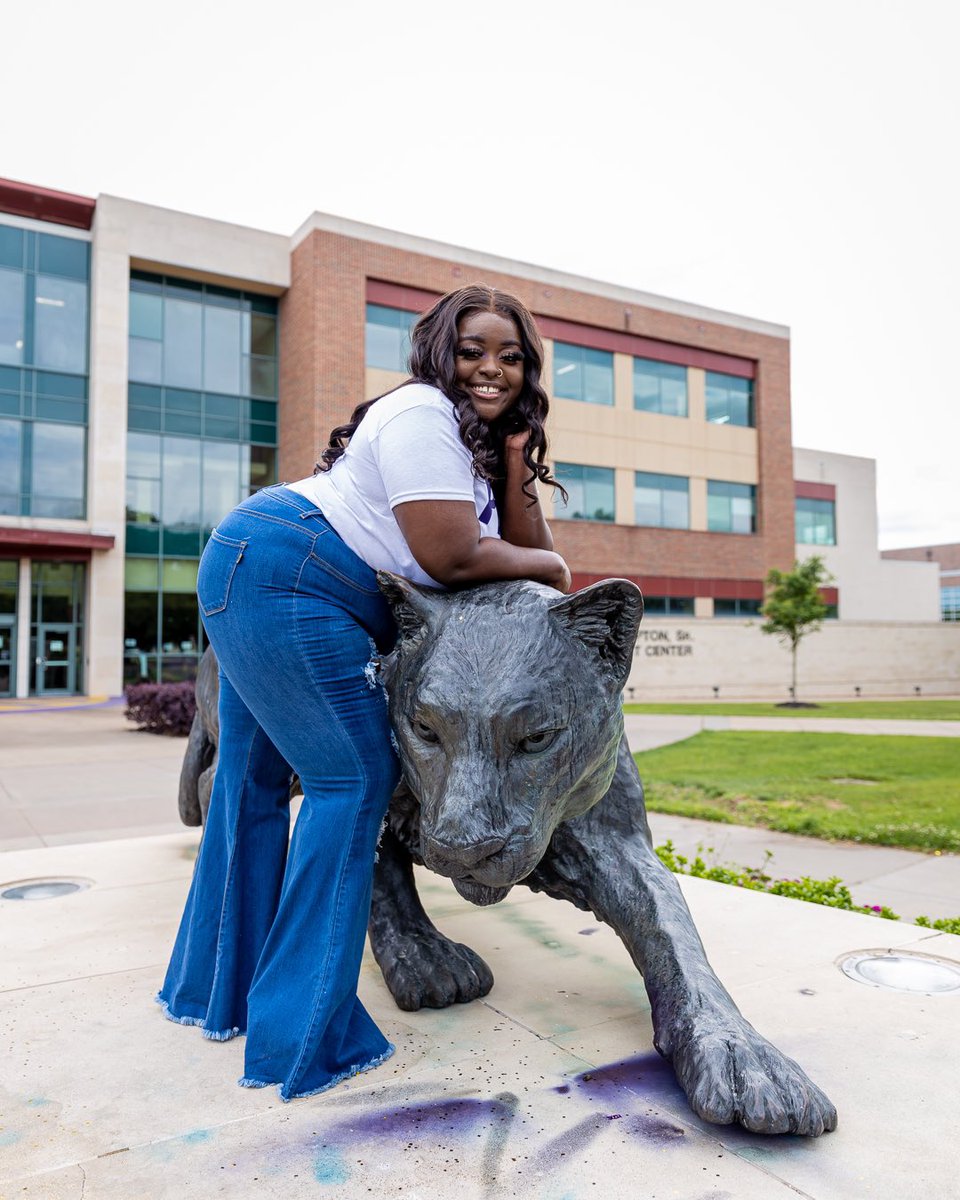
{"points": [[56, 660], [8, 655]]}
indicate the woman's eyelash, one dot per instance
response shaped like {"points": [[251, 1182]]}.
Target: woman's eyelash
{"points": [[473, 352]]}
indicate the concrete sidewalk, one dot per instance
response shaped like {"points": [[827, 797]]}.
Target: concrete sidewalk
{"points": [[87, 775]]}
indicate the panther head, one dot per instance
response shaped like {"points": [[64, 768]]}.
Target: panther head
{"points": [[506, 704]]}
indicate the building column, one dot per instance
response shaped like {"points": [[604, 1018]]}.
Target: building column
{"points": [[23, 630], [107, 449]]}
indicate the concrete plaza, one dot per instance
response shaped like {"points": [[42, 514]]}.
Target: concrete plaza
{"points": [[548, 1088]]}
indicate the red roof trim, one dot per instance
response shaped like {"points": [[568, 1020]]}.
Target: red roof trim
{"points": [[44, 204], [53, 539], [814, 491], [646, 347], [678, 586], [394, 295]]}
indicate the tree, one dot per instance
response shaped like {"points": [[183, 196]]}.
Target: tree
{"points": [[794, 607]]}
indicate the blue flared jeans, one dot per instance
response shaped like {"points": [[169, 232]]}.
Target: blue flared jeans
{"points": [[271, 939]]}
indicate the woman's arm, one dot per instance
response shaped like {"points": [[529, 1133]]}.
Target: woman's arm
{"points": [[444, 538], [522, 523]]}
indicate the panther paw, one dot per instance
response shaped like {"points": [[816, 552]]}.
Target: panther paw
{"points": [[732, 1075], [431, 971]]}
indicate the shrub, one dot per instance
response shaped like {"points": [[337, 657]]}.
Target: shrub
{"points": [[943, 924], [161, 707], [831, 892]]}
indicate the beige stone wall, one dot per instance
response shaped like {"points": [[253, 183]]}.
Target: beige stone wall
{"points": [[871, 588], [686, 659]]}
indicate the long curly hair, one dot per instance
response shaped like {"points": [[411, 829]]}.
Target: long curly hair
{"points": [[432, 360]]}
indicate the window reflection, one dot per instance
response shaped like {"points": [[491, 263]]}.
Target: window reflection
{"points": [[11, 316], [58, 469], [590, 491]]}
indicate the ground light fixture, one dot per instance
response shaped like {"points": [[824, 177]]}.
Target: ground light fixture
{"points": [[42, 889], [903, 971]]}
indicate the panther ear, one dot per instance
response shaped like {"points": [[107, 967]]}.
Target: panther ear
{"points": [[413, 606], [605, 617]]}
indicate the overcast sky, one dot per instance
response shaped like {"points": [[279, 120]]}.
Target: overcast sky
{"points": [[792, 161]]}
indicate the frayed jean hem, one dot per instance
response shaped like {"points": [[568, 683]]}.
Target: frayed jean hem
{"points": [[213, 1035], [246, 1081]]}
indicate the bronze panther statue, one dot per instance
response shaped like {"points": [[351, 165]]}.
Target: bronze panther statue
{"points": [[505, 700]]}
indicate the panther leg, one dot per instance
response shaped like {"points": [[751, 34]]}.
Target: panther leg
{"points": [[196, 761], [730, 1073], [421, 967]]}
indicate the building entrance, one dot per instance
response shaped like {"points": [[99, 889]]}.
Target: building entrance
{"points": [[8, 655], [56, 660], [56, 627]]}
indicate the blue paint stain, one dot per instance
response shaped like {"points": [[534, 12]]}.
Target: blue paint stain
{"points": [[39, 1102], [9, 1137], [329, 1167], [197, 1135]]}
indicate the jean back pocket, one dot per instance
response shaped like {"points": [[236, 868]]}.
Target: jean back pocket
{"points": [[217, 567]]}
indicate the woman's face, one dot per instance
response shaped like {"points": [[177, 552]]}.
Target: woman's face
{"points": [[489, 362]]}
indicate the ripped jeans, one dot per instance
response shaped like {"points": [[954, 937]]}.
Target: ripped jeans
{"points": [[270, 942]]}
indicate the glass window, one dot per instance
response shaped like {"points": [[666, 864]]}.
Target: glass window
{"points": [[182, 343], [221, 481], [11, 247], [667, 606], [950, 603], [591, 492], [146, 316], [63, 256], [58, 470], [731, 507], [816, 522], [192, 335], [580, 373], [263, 334], [737, 608], [659, 387], [11, 316], [180, 505], [662, 501], [10, 453], [221, 349], [259, 467], [729, 399], [60, 332], [388, 337]]}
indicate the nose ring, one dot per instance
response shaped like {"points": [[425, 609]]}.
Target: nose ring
{"points": [[500, 372]]}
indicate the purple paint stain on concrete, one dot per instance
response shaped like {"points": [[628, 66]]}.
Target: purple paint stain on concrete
{"points": [[587, 932], [645, 1075], [456, 1116]]}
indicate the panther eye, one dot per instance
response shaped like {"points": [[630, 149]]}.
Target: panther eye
{"points": [[425, 733], [533, 743]]}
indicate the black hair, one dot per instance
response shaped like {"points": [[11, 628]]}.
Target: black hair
{"points": [[432, 360]]}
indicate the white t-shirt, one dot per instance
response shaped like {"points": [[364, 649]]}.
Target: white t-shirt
{"points": [[407, 447]]}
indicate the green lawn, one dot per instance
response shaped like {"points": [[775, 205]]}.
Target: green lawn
{"points": [[895, 791], [898, 710]]}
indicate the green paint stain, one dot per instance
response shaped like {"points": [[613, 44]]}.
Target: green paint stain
{"points": [[754, 1153], [329, 1167]]}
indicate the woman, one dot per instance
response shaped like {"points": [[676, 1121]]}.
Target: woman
{"points": [[433, 482]]}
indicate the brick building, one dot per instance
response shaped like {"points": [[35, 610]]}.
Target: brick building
{"points": [[156, 366]]}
